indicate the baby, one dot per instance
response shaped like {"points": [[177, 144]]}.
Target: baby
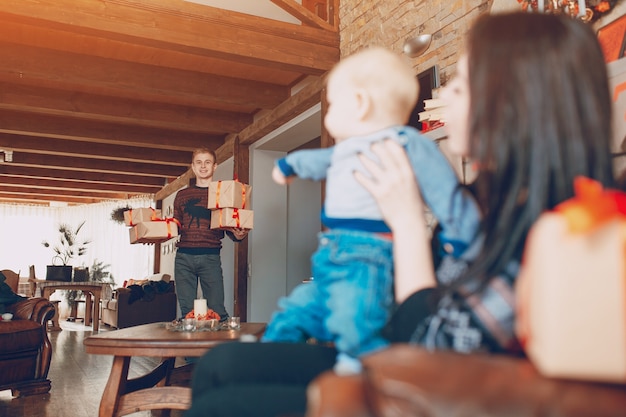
{"points": [[370, 98]]}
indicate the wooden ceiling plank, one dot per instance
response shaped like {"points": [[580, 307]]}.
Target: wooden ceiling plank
{"points": [[45, 200], [62, 40], [50, 146], [45, 126], [97, 165], [286, 111], [301, 13], [234, 36], [85, 106], [79, 176], [130, 80], [50, 184], [72, 193]]}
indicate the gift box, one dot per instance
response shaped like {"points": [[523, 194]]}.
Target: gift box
{"points": [[140, 215], [232, 217], [154, 231], [229, 193], [571, 290]]}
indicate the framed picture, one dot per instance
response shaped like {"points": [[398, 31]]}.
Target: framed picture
{"points": [[612, 38]]}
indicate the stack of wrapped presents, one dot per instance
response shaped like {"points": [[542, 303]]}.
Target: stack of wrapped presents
{"points": [[147, 226], [229, 201]]}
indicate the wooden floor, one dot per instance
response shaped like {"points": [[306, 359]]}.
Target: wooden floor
{"points": [[78, 380]]}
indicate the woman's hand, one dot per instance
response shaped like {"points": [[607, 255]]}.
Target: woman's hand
{"points": [[394, 187]]}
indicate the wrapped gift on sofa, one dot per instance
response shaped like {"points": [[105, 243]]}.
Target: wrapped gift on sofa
{"points": [[571, 291], [232, 217], [145, 214], [154, 231], [229, 193]]}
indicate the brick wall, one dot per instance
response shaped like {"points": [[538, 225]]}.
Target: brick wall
{"points": [[389, 22]]}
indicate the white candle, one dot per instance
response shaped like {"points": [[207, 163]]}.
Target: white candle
{"points": [[540, 6], [199, 307]]}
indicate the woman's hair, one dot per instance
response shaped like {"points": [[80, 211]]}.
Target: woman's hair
{"points": [[540, 115]]}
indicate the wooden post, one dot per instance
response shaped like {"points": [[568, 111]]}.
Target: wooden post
{"points": [[241, 156]]}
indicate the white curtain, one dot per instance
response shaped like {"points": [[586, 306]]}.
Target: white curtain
{"points": [[25, 227]]}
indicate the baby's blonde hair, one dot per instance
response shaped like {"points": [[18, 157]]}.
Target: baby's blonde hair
{"points": [[385, 75]]}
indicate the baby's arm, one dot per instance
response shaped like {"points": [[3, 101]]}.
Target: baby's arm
{"points": [[307, 164], [452, 205]]}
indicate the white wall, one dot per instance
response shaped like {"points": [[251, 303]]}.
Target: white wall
{"points": [[268, 240], [286, 219], [286, 223]]}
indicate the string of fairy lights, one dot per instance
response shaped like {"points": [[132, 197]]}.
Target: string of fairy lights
{"points": [[586, 10]]}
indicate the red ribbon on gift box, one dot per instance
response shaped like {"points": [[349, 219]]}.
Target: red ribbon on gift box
{"points": [[235, 216], [218, 190], [169, 220], [153, 216]]}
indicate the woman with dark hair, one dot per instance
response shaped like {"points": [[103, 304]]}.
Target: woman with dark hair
{"points": [[530, 107]]}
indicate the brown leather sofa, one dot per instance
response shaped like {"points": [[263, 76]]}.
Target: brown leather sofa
{"points": [[25, 350], [125, 309], [410, 381]]}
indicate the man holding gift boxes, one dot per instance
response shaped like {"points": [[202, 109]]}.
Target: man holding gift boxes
{"points": [[198, 254]]}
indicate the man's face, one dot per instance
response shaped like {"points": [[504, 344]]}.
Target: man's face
{"points": [[203, 166]]}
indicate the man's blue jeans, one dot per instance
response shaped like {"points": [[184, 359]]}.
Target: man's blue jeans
{"points": [[349, 300], [206, 268]]}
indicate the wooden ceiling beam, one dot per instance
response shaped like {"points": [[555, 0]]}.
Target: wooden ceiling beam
{"points": [[92, 107], [51, 184], [47, 126], [97, 165], [303, 100], [38, 66], [39, 173], [17, 191], [302, 14], [51, 146], [40, 36], [45, 200], [189, 28]]}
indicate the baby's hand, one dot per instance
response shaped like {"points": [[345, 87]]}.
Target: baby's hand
{"points": [[279, 178]]}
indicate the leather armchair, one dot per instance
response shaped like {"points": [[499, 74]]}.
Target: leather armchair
{"points": [[25, 350], [410, 381]]}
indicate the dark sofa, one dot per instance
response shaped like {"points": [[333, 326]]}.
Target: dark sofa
{"points": [[150, 302]]}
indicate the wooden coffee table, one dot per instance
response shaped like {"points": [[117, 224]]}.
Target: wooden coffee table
{"points": [[153, 391]]}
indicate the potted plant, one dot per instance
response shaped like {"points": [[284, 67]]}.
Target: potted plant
{"points": [[117, 215], [67, 248]]}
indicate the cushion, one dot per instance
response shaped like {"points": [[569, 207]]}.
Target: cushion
{"points": [[19, 336], [159, 277]]}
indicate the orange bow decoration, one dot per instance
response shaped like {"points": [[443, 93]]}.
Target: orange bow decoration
{"points": [[591, 206]]}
